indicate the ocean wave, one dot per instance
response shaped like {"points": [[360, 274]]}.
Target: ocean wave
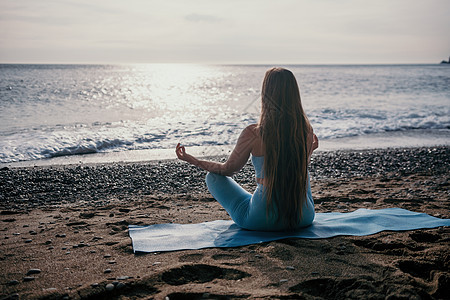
{"points": [[86, 147], [339, 123]]}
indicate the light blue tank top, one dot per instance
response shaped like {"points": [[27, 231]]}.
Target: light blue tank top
{"points": [[258, 164]]}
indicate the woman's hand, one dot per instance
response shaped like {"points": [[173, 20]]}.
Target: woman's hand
{"points": [[315, 143], [181, 154]]}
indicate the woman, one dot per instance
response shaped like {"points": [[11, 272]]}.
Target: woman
{"points": [[280, 145]]}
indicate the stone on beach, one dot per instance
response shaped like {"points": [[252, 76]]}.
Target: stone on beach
{"points": [[33, 271], [28, 278]]}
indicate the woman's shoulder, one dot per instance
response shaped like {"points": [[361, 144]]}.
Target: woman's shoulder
{"points": [[251, 133], [251, 129]]}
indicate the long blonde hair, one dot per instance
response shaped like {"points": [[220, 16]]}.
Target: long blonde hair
{"points": [[284, 128]]}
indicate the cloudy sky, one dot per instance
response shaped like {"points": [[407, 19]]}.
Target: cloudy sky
{"points": [[224, 31]]}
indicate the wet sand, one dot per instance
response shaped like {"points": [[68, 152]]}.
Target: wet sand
{"points": [[64, 233]]}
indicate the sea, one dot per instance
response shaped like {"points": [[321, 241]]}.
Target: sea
{"points": [[57, 114]]}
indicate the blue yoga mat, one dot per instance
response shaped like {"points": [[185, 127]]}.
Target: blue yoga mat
{"points": [[225, 233]]}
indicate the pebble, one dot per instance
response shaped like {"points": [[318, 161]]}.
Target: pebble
{"points": [[62, 235], [107, 271], [290, 268], [122, 277], [94, 285], [109, 287], [33, 271], [87, 215], [111, 262], [120, 285], [107, 255], [28, 241], [14, 296], [28, 278], [283, 280], [13, 282]]}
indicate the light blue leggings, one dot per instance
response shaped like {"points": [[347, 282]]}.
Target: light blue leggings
{"points": [[249, 211]]}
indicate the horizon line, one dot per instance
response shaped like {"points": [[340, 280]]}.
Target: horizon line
{"points": [[220, 63]]}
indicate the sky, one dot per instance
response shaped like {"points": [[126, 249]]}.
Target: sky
{"points": [[225, 31]]}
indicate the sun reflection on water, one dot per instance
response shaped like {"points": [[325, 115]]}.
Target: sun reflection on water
{"points": [[174, 87]]}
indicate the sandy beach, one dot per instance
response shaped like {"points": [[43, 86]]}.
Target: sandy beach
{"points": [[64, 233]]}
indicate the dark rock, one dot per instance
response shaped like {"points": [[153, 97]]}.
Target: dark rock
{"points": [[28, 278], [33, 271]]}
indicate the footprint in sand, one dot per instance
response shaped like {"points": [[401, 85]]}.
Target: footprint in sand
{"points": [[424, 237], [200, 273], [421, 269]]}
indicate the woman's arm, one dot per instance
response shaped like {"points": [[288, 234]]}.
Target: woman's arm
{"points": [[235, 162]]}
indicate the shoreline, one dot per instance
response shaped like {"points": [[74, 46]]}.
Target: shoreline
{"points": [[65, 233], [376, 141]]}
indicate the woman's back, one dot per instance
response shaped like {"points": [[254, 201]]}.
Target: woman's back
{"points": [[280, 144]]}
